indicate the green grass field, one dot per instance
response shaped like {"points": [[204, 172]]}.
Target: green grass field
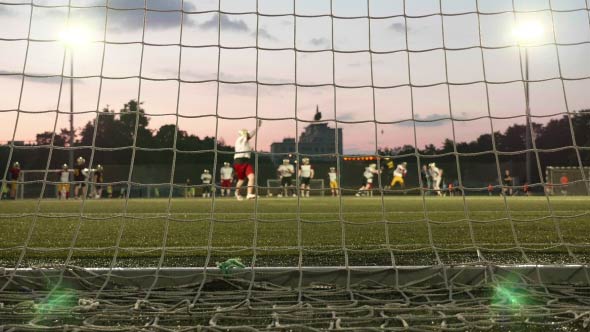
{"points": [[367, 231]]}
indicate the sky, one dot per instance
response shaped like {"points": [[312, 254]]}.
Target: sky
{"points": [[369, 96]]}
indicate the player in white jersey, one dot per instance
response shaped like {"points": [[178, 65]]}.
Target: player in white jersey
{"points": [[436, 176], [398, 175], [286, 171], [226, 173], [333, 176], [242, 165], [306, 173], [206, 180], [368, 177], [63, 188]]}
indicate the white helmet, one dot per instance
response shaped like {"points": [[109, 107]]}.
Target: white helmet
{"points": [[16, 164], [373, 166], [243, 132], [332, 168], [64, 166], [226, 164], [80, 160], [286, 161], [431, 165], [206, 171], [305, 161], [99, 167]]}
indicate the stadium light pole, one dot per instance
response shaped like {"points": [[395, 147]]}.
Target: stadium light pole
{"points": [[72, 37], [526, 34]]}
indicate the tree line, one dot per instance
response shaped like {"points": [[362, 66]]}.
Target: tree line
{"points": [[113, 132]]}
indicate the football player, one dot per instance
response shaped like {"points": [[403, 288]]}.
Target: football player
{"points": [[436, 176], [333, 176], [242, 165], [226, 174], [286, 171], [368, 176], [306, 173], [399, 174], [206, 179], [63, 188], [80, 175], [98, 181]]}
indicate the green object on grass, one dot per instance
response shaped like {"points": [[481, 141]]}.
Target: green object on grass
{"points": [[228, 265]]}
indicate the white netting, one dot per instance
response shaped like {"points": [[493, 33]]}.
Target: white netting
{"points": [[144, 255]]}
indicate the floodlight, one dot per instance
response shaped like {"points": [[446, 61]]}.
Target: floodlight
{"points": [[528, 32], [74, 35]]}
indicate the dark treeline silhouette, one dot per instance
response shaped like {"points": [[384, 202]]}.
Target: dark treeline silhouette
{"points": [[113, 138], [115, 132], [553, 140]]}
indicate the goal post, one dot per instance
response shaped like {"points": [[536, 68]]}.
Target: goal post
{"points": [[567, 180], [402, 100]]}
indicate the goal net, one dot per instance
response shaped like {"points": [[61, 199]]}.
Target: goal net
{"points": [[438, 124], [568, 180]]}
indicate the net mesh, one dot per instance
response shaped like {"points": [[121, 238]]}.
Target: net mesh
{"points": [[403, 259]]}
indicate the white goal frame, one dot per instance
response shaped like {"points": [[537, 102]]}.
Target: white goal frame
{"points": [[575, 187]]}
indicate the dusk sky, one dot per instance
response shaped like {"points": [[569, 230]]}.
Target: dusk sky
{"points": [[353, 104]]}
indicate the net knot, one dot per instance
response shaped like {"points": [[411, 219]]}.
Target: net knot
{"points": [[87, 304]]}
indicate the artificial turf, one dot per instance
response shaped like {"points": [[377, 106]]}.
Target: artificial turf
{"points": [[408, 230]]}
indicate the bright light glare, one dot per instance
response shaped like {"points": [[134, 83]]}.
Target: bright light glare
{"points": [[74, 36], [528, 32]]}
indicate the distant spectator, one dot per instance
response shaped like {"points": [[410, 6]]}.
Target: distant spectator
{"points": [[526, 189], [14, 174], [549, 188], [564, 183], [490, 189], [508, 183]]}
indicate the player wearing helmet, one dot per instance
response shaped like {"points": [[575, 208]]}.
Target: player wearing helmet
{"points": [[226, 174], [98, 181], [436, 176], [206, 180], [63, 188], [306, 173], [333, 176], [368, 178], [286, 171], [80, 175], [242, 165], [399, 174]]}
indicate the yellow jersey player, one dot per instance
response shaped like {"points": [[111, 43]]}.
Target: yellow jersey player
{"points": [[399, 174], [333, 181], [63, 188]]}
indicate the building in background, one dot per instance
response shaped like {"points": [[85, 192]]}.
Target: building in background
{"points": [[317, 139]]}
